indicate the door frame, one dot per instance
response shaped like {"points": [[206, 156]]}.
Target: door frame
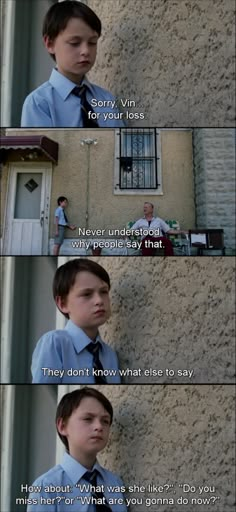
{"points": [[26, 167], [16, 434]]}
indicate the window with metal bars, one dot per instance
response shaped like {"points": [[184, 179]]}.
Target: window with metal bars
{"points": [[138, 159]]}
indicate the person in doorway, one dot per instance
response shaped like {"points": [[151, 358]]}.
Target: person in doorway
{"points": [[157, 228], [61, 223], [79, 482]]}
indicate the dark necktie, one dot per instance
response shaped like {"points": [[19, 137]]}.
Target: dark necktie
{"points": [[85, 107], [93, 348], [91, 477], [65, 217]]}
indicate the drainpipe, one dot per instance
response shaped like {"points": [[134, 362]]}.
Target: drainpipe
{"points": [[88, 142]]}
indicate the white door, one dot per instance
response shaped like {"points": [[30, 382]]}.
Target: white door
{"points": [[27, 210]]}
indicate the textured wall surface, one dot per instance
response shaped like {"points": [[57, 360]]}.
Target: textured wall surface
{"points": [[104, 208], [175, 58], [173, 313], [214, 166], [174, 434]]}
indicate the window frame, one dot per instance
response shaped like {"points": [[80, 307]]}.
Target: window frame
{"points": [[137, 191]]}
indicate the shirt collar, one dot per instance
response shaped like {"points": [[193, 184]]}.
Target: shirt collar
{"points": [[149, 220], [75, 470], [63, 85], [79, 338]]}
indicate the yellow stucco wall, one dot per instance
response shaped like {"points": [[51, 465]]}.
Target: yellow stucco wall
{"points": [[104, 208], [172, 313], [166, 55], [172, 435]]}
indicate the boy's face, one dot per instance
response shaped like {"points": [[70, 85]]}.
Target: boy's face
{"points": [[87, 429], [87, 303], [63, 204], [75, 49]]}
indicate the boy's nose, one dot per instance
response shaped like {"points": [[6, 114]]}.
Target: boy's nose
{"points": [[98, 425], [98, 299], [84, 49]]}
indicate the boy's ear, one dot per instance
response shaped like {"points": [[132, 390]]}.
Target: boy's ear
{"points": [[61, 304], [61, 426], [49, 44]]}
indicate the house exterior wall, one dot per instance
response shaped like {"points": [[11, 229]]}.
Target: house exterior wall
{"points": [[166, 55], [104, 208], [175, 434], [214, 174]]}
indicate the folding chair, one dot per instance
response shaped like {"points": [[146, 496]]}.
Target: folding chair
{"points": [[180, 242]]}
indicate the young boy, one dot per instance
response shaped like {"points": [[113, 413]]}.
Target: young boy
{"points": [[70, 33], [83, 421], [77, 353], [61, 222]]}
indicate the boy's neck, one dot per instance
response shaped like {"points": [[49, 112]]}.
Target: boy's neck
{"points": [[90, 332], [85, 460], [77, 79]]}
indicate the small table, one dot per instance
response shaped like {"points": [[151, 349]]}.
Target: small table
{"points": [[207, 240]]}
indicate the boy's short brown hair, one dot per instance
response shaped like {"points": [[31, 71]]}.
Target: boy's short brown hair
{"points": [[65, 276], [60, 13], [71, 401], [61, 199]]}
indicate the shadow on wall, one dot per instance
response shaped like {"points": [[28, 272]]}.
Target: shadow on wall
{"points": [[173, 435], [126, 48], [173, 318], [166, 56]]}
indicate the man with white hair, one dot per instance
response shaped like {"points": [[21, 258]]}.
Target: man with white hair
{"points": [[156, 228]]}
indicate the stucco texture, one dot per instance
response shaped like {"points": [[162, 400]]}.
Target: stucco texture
{"points": [[96, 194], [214, 162], [174, 58], [175, 314], [173, 435]]}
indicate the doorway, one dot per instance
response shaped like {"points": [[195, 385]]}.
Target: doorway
{"points": [[27, 210]]}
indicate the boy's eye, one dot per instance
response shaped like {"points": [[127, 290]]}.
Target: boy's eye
{"points": [[77, 43]]}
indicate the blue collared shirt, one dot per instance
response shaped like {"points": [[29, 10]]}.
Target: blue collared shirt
{"points": [[65, 351], [53, 104], [67, 475], [59, 212]]}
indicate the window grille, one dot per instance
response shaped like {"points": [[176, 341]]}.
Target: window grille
{"points": [[138, 159]]}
